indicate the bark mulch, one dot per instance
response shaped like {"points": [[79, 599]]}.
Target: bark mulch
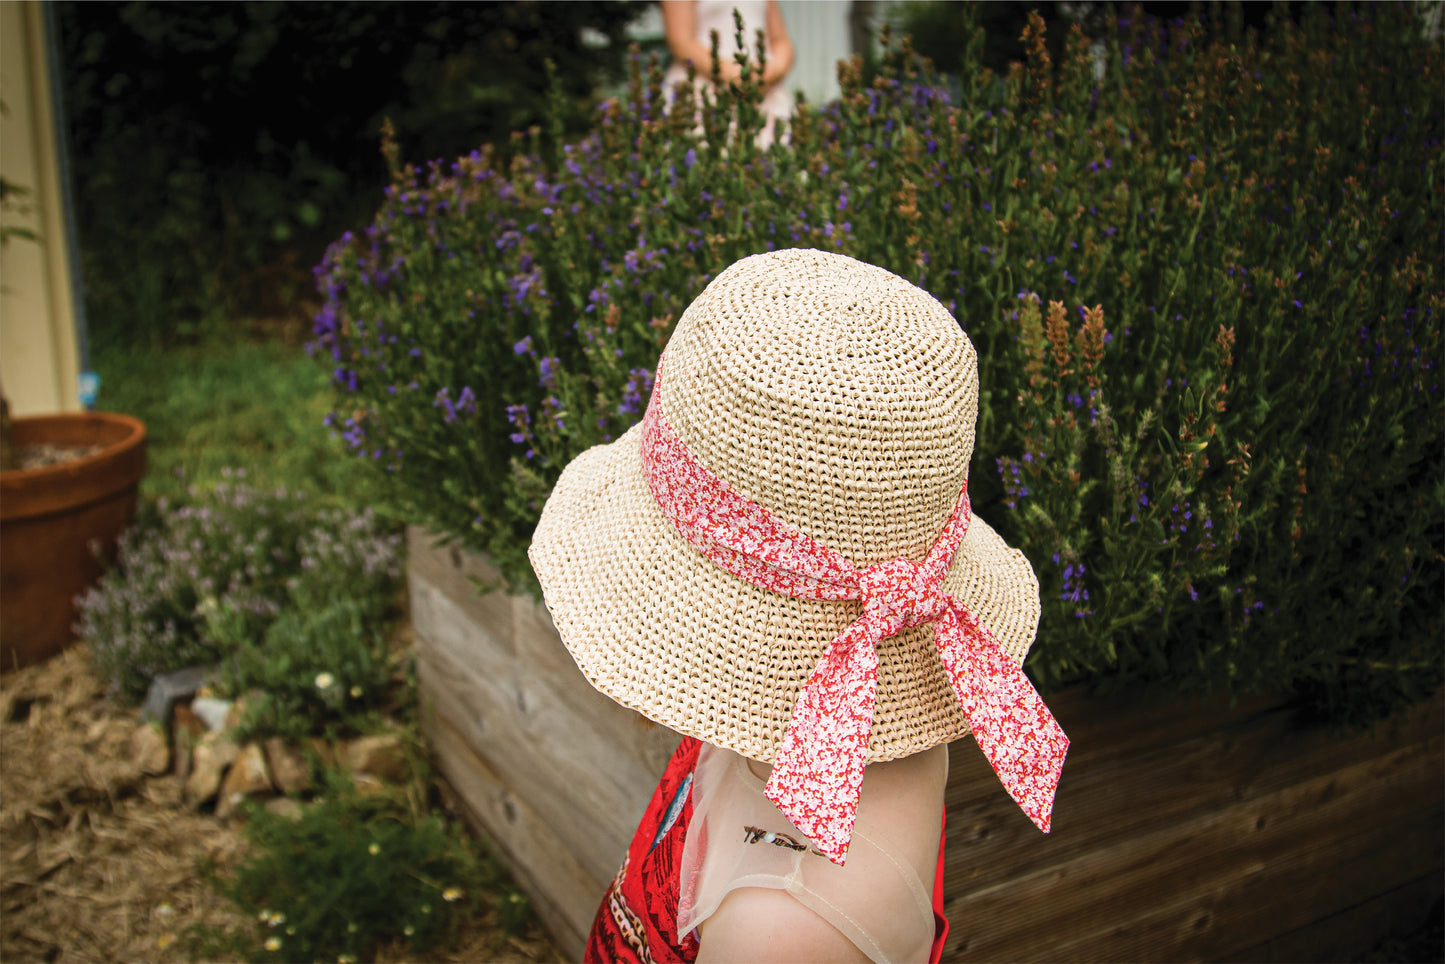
{"points": [[100, 862]]}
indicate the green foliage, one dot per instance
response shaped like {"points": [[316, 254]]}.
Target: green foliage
{"points": [[196, 582], [958, 40], [225, 403], [1221, 450], [217, 146], [353, 873], [313, 671]]}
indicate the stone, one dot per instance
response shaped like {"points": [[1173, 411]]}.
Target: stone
{"points": [[237, 712], [184, 718], [367, 785], [380, 756], [290, 770], [211, 711], [247, 777], [210, 757], [187, 730], [324, 751], [287, 807], [150, 749], [172, 688]]}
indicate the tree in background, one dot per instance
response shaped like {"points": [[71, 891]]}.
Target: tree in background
{"points": [[216, 147], [943, 29]]}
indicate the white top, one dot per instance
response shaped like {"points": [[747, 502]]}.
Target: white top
{"points": [[718, 15], [881, 899]]}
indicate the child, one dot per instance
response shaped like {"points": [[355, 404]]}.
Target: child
{"points": [[780, 564]]}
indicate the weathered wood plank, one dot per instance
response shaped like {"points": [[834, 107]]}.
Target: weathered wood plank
{"points": [[547, 756], [1105, 799], [534, 694], [1183, 830], [533, 669], [495, 671], [1124, 902], [1353, 932], [442, 625], [560, 889], [456, 573], [1294, 887]]}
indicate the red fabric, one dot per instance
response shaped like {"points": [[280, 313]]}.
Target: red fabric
{"points": [[940, 923], [637, 922]]}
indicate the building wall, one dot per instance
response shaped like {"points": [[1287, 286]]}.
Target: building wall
{"points": [[819, 29], [38, 350]]}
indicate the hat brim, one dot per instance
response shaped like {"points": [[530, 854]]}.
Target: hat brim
{"points": [[658, 627]]}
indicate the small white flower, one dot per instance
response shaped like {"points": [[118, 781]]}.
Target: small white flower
{"points": [[324, 681], [356, 692], [374, 849], [452, 894], [273, 943]]}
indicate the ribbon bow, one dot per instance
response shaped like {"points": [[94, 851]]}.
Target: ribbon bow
{"points": [[818, 769]]}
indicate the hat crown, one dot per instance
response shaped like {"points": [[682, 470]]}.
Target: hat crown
{"points": [[834, 393]]}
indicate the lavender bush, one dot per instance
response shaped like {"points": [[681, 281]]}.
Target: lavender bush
{"points": [[1205, 285], [195, 582]]}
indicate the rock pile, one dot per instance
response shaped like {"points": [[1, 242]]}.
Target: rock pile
{"points": [[192, 735]]}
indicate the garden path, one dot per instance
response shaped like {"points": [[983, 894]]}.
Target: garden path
{"points": [[99, 862]]}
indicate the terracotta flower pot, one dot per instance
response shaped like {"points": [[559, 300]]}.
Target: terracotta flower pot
{"points": [[49, 519]]}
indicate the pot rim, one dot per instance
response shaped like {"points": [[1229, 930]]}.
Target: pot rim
{"points": [[122, 454]]}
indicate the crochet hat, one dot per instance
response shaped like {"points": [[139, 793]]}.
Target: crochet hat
{"points": [[803, 463]]}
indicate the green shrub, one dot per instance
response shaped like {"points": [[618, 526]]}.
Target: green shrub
{"points": [[194, 581], [200, 202], [350, 874], [1222, 450], [315, 670]]}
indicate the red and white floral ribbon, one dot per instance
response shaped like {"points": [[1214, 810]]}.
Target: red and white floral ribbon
{"points": [[818, 771]]}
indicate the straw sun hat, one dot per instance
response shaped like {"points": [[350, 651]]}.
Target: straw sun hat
{"points": [[839, 397]]}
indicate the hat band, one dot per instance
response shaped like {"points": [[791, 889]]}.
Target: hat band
{"points": [[818, 770]]}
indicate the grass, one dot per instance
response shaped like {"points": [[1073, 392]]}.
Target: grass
{"points": [[225, 405]]}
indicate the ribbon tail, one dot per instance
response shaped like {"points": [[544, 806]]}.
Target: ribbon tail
{"points": [[818, 770], [1013, 727]]}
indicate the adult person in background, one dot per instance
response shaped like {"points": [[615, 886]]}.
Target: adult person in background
{"points": [[689, 25]]}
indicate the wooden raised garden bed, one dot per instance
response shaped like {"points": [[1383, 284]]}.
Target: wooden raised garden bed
{"points": [[1181, 831]]}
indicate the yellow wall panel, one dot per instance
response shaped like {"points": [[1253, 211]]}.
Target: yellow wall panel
{"points": [[38, 352]]}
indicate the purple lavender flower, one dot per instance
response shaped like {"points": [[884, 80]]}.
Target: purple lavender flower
{"points": [[639, 386], [467, 401], [443, 401]]}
